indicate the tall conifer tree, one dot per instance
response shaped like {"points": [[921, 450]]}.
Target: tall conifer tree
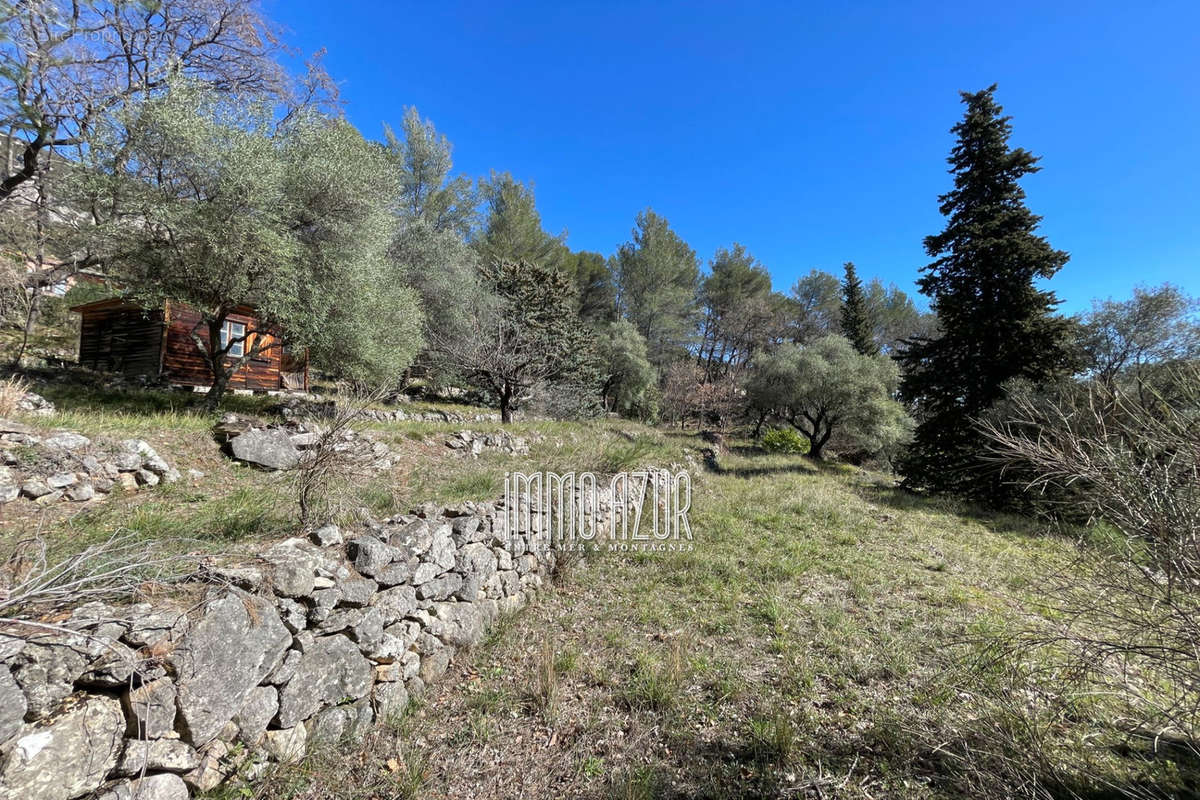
{"points": [[856, 318], [996, 324]]}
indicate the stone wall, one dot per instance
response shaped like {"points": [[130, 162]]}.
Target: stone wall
{"points": [[250, 662], [64, 465]]}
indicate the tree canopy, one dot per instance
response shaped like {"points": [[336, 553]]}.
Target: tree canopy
{"points": [[996, 324]]}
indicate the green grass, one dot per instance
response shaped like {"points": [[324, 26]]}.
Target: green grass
{"points": [[822, 638]]}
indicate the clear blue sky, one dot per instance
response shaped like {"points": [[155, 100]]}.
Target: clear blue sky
{"points": [[812, 133]]}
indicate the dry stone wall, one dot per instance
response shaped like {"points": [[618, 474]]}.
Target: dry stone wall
{"points": [[253, 661]]}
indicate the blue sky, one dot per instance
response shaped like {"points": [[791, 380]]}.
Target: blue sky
{"points": [[812, 133]]}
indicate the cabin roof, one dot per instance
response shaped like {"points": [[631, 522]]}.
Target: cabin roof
{"points": [[111, 302]]}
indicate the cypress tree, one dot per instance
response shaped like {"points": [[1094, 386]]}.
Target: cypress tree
{"points": [[856, 320], [996, 324]]}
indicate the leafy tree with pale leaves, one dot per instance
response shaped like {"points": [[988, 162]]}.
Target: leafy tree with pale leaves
{"points": [[435, 214], [229, 207], [629, 379], [826, 388]]}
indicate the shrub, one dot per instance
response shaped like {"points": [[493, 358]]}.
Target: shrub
{"points": [[784, 440]]}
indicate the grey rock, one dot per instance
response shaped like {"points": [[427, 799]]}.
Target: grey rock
{"points": [[147, 478], [287, 669], [440, 588], [286, 746], [269, 448], [148, 628], [66, 440], [368, 631], [164, 786], [150, 459], [328, 535], [158, 755], [413, 537], [426, 572], [370, 555], [457, 624], [334, 724], [150, 709], [35, 488], [292, 578], [339, 620], [323, 602], [237, 642], [434, 665], [305, 439], [293, 614], [62, 480], [46, 674], [331, 671], [260, 708], [81, 493], [390, 700], [9, 492], [12, 705], [357, 591], [465, 528], [477, 563], [397, 572], [127, 462], [395, 603], [442, 549], [67, 757]]}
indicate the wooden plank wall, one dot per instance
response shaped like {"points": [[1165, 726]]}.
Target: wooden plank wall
{"points": [[121, 339], [184, 363]]}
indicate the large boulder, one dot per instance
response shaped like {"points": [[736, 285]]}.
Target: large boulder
{"points": [[12, 705], [270, 448], [331, 670], [67, 756], [237, 642]]}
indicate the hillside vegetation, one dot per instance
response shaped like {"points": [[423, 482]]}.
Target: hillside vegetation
{"points": [[825, 637]]}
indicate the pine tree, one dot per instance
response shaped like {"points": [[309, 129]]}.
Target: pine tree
{"points": [[996, 324], [856, 320]]}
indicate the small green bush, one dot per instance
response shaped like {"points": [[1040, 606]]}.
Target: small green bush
{"points": [[784, 440]]}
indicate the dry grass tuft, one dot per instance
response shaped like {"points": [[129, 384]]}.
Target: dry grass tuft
{"points": [[11, 392]]}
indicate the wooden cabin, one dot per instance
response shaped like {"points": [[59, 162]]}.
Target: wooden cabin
{"points": [[118, 336]]}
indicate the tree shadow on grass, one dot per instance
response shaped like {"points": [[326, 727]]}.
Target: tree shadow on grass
{"points": [[901, 499]]}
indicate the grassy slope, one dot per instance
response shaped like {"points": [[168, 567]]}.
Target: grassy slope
{"points": [[806, 647], [809, 646]]}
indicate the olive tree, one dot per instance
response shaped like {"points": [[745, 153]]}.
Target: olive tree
{"points": [[226, 207], [827, 387], [629, 378]]}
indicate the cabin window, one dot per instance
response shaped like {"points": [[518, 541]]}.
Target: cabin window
{"points": [[234, 332]]}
